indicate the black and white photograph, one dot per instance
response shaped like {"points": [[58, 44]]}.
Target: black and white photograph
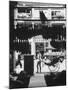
{"points": [[37, 44]]}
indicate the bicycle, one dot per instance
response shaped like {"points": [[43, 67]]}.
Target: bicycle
{"points": [[54, 64]]}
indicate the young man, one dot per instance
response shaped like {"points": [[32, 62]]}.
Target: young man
{"points": [[39, 56]]}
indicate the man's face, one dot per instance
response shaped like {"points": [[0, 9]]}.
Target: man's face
{"points": [[45, 58]]}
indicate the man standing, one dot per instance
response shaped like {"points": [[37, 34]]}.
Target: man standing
{"points": [[39, 62]]}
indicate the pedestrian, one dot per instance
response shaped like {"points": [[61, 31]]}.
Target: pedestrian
{"points": [[39, 62]]}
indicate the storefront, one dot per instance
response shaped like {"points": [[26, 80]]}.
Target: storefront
{"points": [[39, 44]]}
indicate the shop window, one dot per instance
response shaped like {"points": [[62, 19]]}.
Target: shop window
{"points": [[57, 15], [24, 10]]}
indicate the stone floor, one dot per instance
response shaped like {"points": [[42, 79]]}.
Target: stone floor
{"points": [[37, 81]]}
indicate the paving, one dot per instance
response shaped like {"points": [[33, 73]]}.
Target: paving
{"points": [[37, 81]]}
